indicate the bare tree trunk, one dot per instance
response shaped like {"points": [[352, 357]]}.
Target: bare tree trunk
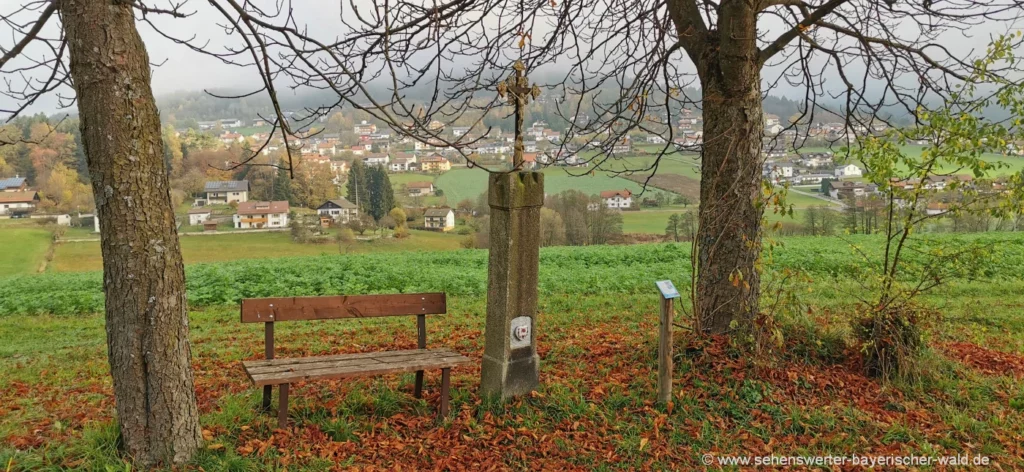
{"points": [[143, 275], [729, 235]]}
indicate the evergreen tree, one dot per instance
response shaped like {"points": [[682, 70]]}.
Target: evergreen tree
{"points": [[358, 186], [283, 186], [382, 196]]}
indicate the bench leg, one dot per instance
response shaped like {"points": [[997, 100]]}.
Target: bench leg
{"points": [[445, 384], [418, 391], [282, 407], [267, 391]]}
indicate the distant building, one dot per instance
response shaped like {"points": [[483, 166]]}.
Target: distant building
{"points": [[435, 163], [339, 166], [402, 162], [420, 189], [18, 202], [846, 190], [365, 129], [258, 215], [442, 219], [848, 171], [226, 191], [13, 184], [379, 159], [338, 209], [198, 216], [459, 130], [617, 198]]}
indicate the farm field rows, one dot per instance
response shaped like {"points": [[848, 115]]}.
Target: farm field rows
{"points": [[589, 270]]}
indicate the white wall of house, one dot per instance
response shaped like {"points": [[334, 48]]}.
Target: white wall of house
{"points": [[197, 218], [8, 208], [849, 170], [341, 215], [274, 220], [618, 202], [227, 197]]}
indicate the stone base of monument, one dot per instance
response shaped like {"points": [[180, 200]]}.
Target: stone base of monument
{"points": [[511, 364]]}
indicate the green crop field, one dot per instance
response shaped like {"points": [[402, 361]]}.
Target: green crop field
{"points": [[85, 256], [22, 249]]}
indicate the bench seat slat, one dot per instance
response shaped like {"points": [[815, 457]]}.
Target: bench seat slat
{"points": [[311, 363], [283, 371]]}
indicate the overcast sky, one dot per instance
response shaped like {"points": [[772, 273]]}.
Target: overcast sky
{"points": [[185, 70]]}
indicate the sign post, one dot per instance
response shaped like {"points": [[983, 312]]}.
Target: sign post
{"points": [[668, 294]]}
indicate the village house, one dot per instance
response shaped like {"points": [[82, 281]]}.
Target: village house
{"points": [[529, 161], [13, 184], [654, 139], [338, 209], [228, 137], [317, 159], [357, 150], [848, 171], [326, 148], [816, 159], [617, 198], [622, 148], [231, 123], [459, 130], [435, 163], [846, 190], [936, 208], [364, 128], [442, 219], [402, 162], [420, 189], [18, 202], [259, 215], [198, 216], [339, 167], [379, 159], [779, 171], [224, 192]]}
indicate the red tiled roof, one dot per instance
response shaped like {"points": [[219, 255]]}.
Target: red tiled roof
{"points": [[625, 193], [262, 208]]}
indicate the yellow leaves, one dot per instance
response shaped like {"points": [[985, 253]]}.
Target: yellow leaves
{"points": [[207, 435], [215, 447], [643, 443]]}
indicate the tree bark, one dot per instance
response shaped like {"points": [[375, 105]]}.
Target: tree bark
{"points": [[143, 275], [729, 235]]}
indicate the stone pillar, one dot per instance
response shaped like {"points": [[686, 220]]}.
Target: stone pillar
{"points": [[511, 365]]}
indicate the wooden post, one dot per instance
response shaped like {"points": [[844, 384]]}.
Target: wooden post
{"points": [[665, 352], [421, 342], [268, 340]]}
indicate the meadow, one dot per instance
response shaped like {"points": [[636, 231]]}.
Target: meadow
{"points": [[85, 256], [461, 184], [597, 340], [23, 248]]}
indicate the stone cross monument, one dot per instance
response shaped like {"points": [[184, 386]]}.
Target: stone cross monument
{"points": [[511, 365]]}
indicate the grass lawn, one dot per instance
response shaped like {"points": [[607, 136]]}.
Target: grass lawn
{"points": [[460, 184], [85, 256], [593, 411], [22, 248], [655, 221]]}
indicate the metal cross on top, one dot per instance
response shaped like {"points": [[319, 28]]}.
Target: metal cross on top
{"points": [[517, 89]]}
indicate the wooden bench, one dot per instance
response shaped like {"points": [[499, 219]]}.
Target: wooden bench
{"points": [[285, 371]]}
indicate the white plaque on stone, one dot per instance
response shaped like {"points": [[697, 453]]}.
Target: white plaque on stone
{"points": [[522, 331]]}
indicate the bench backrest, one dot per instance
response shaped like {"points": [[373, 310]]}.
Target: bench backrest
{"points": [[268, 310], [271, 310]]}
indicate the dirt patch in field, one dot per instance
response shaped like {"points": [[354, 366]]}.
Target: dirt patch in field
{"points": [[985, 360], [675, 183]]}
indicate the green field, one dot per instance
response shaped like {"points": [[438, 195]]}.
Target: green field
{"points": [[22, 249], [594, 409], [85, 256], [461, 184]]}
